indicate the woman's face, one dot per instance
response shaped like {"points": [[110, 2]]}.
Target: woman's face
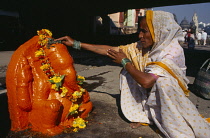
{"points": [[145, 35]]}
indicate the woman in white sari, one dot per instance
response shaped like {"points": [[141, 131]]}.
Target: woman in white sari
{"points": [[166, 103], [153, 81]]}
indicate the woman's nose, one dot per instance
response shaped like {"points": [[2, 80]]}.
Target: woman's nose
{"points": [[140, 35]]}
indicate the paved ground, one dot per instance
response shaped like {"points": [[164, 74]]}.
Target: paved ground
{"points": [[102, 82]]}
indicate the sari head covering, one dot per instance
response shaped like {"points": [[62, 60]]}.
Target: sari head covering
{"points": [[166, 51], [165, 31]]}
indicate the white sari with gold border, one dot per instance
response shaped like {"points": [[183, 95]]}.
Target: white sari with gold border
{"points": [[166, 104]]}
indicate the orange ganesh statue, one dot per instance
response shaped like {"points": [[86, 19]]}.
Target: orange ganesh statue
{"points": [[43, 90]]}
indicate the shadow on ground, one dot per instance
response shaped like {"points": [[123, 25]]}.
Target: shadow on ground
{"points": [[4, 119]]}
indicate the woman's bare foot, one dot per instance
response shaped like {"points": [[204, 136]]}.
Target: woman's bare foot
{"points": [[135, 125]]}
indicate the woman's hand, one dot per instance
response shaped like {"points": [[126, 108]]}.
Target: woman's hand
{"points": [[66, 40], [117, 56]]}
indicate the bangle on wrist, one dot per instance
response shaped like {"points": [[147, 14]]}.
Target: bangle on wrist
{"points": [[76, 45], [124, 61]]}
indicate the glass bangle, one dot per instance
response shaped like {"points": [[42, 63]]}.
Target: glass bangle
{"points": [[76, 45], [124, 61]]}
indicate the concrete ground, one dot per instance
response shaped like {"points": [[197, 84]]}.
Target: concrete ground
{"points": [[102, 81]]}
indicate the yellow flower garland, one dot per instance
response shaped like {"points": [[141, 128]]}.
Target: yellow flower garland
{"points": [[79, 122], [56, 79]]}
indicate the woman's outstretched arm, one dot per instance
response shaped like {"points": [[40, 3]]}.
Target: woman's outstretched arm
{"points": [[99, 49]]}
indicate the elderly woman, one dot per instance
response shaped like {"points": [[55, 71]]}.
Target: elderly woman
{"points": [[153, 82]]}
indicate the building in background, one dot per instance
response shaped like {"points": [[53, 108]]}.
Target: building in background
{"points": [[184, 24], [120, 23]]}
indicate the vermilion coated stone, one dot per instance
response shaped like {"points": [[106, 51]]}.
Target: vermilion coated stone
{"points": [[32, 102]]}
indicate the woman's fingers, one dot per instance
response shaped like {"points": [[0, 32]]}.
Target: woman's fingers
{"points": [[61, 38], [117, 56], [113, 51], [110, 54], [66, 40]]}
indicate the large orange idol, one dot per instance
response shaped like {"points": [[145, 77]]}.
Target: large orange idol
{"points": [[42, 88]]}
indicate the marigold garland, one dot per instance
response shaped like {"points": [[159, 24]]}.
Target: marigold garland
{"points": [[80, 79], [79, 123], [56, 80]]}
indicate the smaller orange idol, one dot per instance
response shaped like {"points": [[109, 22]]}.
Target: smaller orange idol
{"points": [[42, 88]]}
